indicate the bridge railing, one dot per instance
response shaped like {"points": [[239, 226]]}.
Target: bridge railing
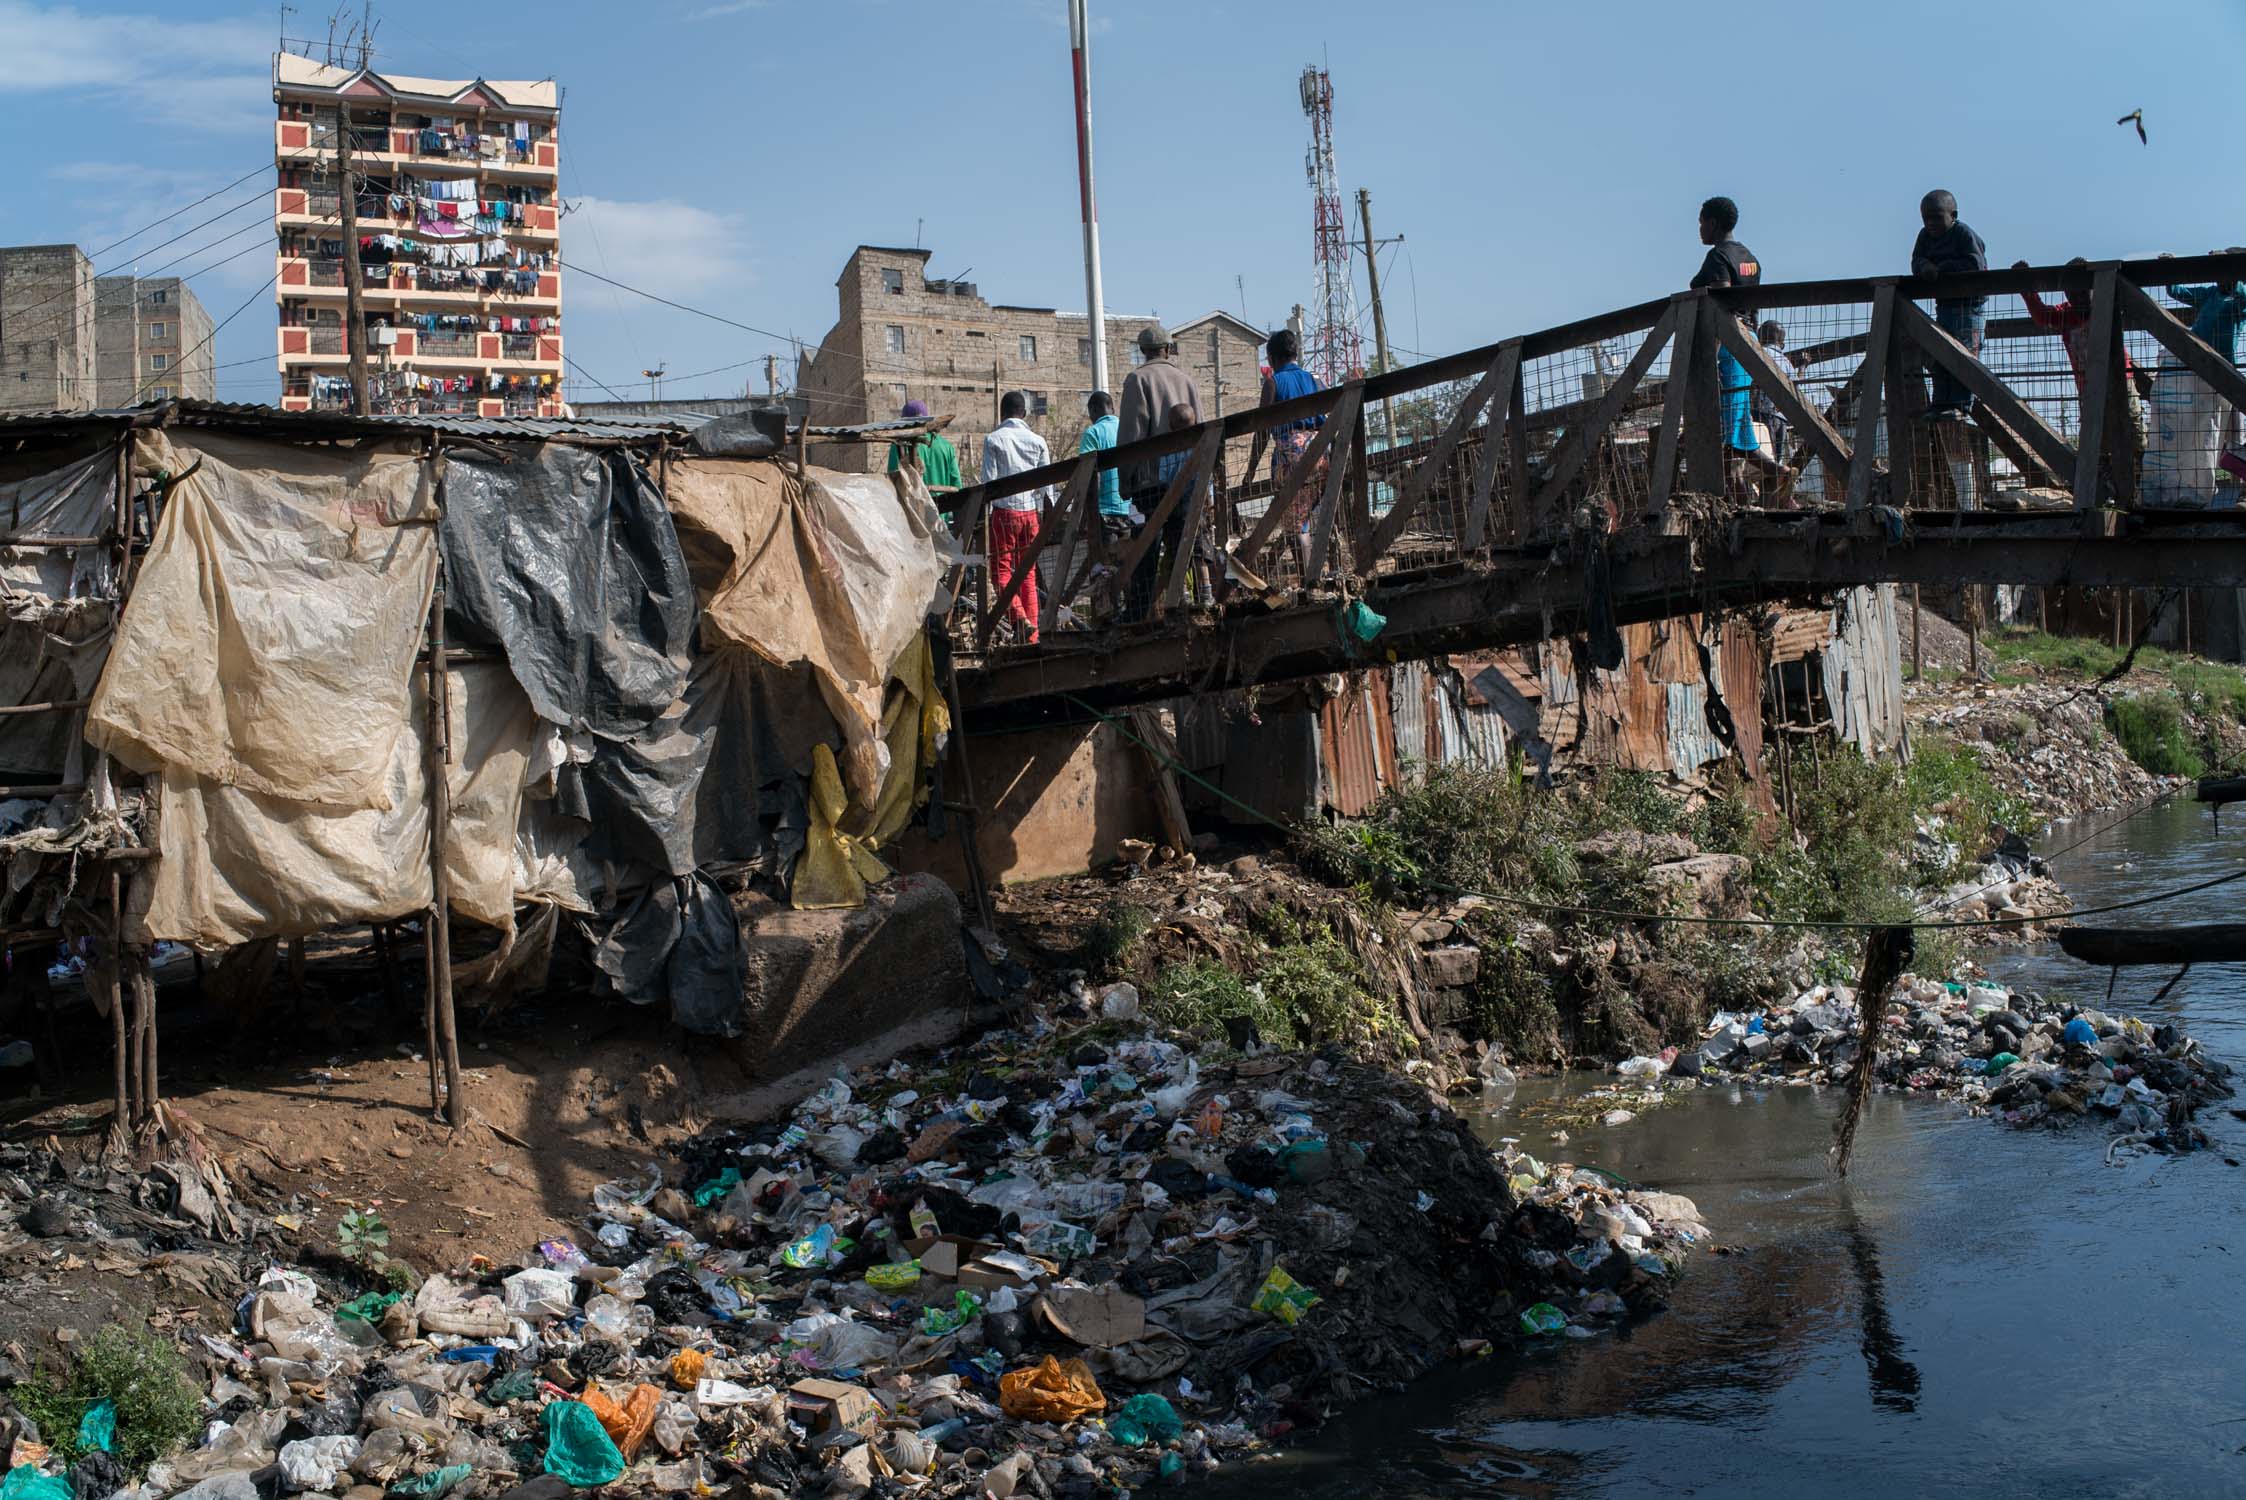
{"points": [[2081, 386]]}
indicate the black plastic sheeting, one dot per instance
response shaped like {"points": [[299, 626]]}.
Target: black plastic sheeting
{"points": [[568, 559], [568, 562], [753, 434]]}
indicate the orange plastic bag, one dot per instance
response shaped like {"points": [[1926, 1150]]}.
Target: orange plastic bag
{"points": [[687, 1366], [1055, 1391], [630, 1423]]}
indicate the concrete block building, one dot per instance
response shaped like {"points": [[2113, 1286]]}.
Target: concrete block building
{"points": [[900, 335], [46, 329], [152, 342]]}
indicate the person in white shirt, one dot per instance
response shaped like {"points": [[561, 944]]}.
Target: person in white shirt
{"points": [[1013, 448]]}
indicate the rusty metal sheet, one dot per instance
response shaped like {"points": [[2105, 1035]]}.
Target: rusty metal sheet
{"points": [[1356, 745], [1672, 658], [1797, 632], [1741, 670]]}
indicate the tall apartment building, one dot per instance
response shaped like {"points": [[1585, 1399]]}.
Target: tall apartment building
{"points": [[72, 341], [901, 336], [458, 229], [46, 329], [152, 341]]}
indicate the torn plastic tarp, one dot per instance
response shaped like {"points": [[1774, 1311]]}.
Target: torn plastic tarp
{"points": [[836, 575], [78, 499], [567, 559], [841, 852], [237, 865], [752, 434], [679, 944], [273, 626]]}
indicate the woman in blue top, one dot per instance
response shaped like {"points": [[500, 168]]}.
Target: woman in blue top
{"points": [[1287, 380]]}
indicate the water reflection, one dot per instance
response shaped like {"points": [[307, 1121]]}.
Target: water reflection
{"points": [[1895, 1380]]}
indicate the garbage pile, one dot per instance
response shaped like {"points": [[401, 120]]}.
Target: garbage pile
{"points": [[2009, 1053], [1044, 1264]]}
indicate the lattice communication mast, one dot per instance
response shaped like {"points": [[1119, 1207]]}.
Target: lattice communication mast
{"points": [[1335, 353]]}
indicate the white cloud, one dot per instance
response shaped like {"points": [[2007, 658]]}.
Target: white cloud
{"points": [[200, 74], [665, 246], [727, 8]]}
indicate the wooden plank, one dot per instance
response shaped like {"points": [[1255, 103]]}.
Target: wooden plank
{"points": [[1205, 464], [1702, 424], [1663, 478], [2191, 351], [1423, 477], [1869, 398], [1575, 450], [2222, 790], [1969, 372], [1160, 750], [2031, 468], [2192, 943], [1832, 449], [1128, 562], [1082, 497], [1505, 371], [2097, 391], [1902, 375], [1297, 476], [1322, 520]]}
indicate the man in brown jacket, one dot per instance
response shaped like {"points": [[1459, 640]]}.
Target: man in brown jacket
{"points": [[1150, 394]]}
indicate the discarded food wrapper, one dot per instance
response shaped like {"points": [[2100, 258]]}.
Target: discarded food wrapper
{"points": [[1284, 1297], [893, 1277], [1542, 1317], [937, 1321]]}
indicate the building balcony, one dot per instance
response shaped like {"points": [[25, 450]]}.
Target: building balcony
{"points": [[295, 141], [405, 285], [319, 208], [322, 346]]}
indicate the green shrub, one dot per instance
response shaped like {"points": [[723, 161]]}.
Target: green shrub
{"points": [[1111, 940], [2151, 728], [1946, 780], [159, 1407], [1307, 988], [1854, 818]]}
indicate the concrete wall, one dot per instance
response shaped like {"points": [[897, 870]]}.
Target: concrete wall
{"points": [[960, 352], [1055, 802], [46, 329]]}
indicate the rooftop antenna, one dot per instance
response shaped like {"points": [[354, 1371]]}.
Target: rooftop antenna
{"points": [[918, 225]]}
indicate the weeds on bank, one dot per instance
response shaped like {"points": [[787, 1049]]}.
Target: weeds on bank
{"points": [[1111, 940], [1303, 988], [158, 1405], [2151, 728]]}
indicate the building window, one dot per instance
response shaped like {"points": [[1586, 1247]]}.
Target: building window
{"points": [[1037, 404], [155, 361], [158, 299], [895, 334], [1029, 348], [161, 393], [1138, 355], [1084, 353], [155, 330], [893, 281]]}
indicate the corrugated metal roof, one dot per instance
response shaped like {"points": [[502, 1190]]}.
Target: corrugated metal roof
{"points": [[250, 416]]}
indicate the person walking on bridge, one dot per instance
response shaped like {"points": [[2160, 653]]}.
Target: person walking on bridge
{"points": [[1947, 247], [1731, 264], [939, 460], [1014, 448], [1152, 396], [1287, 381]]}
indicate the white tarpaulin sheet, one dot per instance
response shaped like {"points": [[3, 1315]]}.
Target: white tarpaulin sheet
{"points": [[272, 629], [239, 865]]}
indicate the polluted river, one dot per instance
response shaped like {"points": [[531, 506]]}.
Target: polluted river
{"points": [[1975, 1306]]}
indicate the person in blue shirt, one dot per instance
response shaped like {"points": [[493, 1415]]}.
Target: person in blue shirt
{"points": [[1287, 380], [2187, 422], [1100, 434]]}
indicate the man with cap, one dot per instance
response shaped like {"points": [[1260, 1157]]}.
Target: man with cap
{"points": [[1151, 393], [939, 460]]}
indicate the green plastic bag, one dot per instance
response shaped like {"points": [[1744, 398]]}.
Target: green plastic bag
{"points": [[1144, 1418], [1284, 1297], [717, 1187], [937, 1321], [2000, 1062], [367, 1309], [1542, 1317], [579, 1450], [432, 1484], [26, 1483], [97, 1429], [520, 1386]]}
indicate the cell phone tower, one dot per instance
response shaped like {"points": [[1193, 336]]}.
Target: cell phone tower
{"points": [[1335, 353]]}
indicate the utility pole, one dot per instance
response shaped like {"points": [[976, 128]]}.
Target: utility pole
{"points": [[1080, 61], [772, 374], [1380, 320], [1216, 371], [354, 283]]}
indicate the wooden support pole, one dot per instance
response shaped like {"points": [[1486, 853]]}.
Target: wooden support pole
{"points": [[1661, 482], [1506, 401], [1341, 414], [1835, 452], [1204, 465], [1575, 451], [134, 960], [444, 1040], [1903, 382], [2192, 352], [2121, 947], [1959, 363], [1324, 519], [1168, 803], [1439, 453], [1702, 418], [121, 1112], [1918, 639], [1082, 502], [2098, 382]]}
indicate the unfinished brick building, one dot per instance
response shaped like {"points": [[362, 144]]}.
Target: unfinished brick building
{"points": [[901, 336]]}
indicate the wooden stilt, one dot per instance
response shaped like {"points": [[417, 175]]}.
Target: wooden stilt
{"points": [[444, 1040], [135, 960], [121, 1106]]}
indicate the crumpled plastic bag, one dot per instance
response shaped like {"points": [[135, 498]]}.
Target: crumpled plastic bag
{"points": [[432, 1484], [629, 1423], [578, 1449], [1054, 1391], [1144, 1418], [687, 1366], [318, 1463], [245, 1446], [1284, 1297], [385, 1455], [539, 1293], [97, 1429], [25, 1482]]}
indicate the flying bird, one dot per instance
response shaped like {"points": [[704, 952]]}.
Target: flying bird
{"points": [[2135, 117]]}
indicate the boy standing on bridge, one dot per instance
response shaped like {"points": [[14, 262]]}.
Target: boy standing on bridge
{"points": [[1731, 264], [1947, 247]]}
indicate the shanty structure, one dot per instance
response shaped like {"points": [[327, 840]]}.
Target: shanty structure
{"points": [[269, 674]]}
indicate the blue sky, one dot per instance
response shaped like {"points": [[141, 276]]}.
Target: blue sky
{"points": [[1543, 161]]}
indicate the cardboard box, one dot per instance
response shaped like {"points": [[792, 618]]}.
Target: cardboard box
{"points": [[820, 1406], [943, 1254]]}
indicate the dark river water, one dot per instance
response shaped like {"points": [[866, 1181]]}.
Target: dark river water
{"points": [[1978, 1310]]}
